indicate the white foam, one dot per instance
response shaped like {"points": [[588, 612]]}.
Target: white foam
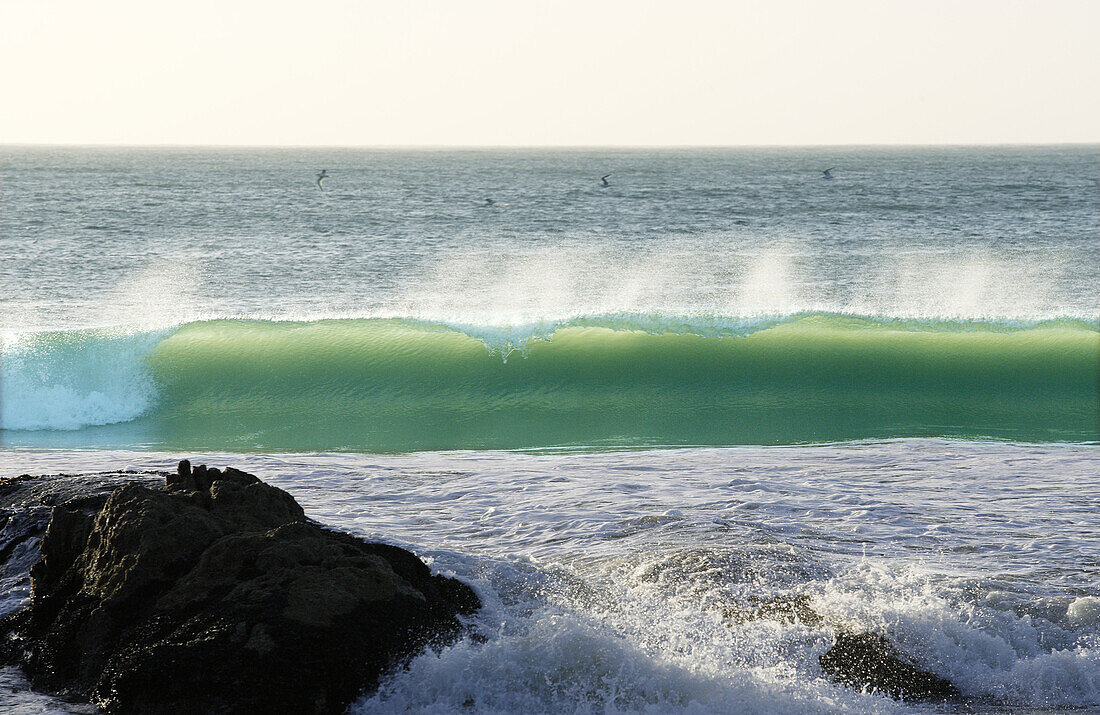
{"points": [[992, 650], [16, 698], [613, 582], [557, 645], [15, 581], [66, 381]]}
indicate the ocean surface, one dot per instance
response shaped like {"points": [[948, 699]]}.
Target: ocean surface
{"points": [[636, 417]]}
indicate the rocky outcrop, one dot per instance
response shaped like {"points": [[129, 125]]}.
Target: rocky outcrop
{"points": [[25, 506], [871, 662], [215, 594]]}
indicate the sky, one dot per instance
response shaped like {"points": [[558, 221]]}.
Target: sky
{"points": [[561, 73]]}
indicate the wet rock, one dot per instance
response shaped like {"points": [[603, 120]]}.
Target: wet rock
{"points": [[788, 610], [869, 661], [215, 594], [26, 507]]}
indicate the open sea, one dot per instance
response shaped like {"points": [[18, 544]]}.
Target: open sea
{"points": [[634, 417]]}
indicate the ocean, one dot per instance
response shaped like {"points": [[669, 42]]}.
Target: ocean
{"points": [[648, 421]]}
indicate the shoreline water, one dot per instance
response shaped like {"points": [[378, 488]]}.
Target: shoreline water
{"points": [[979, 560]]}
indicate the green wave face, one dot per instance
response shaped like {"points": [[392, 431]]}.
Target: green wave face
{"points": [[392, 385]]}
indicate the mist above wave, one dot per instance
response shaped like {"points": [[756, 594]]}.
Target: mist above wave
{"points": [[514, 286]]}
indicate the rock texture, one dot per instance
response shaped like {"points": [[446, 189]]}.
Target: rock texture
{"points": [[870, 661], [215, 594]]}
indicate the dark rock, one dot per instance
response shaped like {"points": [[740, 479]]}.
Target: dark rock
{"points": [[26, 508], [216, 595], [870, 661], [182, 479]]}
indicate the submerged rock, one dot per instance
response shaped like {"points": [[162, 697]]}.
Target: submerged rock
{"points": [[216, 595], [870, 661], [787, 610]]}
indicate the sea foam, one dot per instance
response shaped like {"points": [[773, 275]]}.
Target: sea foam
{"points": [[75, 379]]}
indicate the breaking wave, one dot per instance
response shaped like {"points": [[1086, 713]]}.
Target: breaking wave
{"points": [[393, 384]]}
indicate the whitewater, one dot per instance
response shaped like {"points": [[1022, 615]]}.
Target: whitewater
{"points": [[678, 432], [686, 580]]}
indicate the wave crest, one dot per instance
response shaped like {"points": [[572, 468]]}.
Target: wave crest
{"points": [[608, 380]]}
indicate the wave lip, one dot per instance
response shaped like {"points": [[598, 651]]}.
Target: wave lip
{"points": [[600, 381]]}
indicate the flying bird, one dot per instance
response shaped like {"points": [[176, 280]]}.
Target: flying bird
{"points": [[321, 178], [604, 181], [828, 173]]}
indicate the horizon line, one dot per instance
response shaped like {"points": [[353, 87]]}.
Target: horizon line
{"points": [[567, 147]]}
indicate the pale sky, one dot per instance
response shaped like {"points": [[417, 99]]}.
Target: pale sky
{"points": [[597, 72]]}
